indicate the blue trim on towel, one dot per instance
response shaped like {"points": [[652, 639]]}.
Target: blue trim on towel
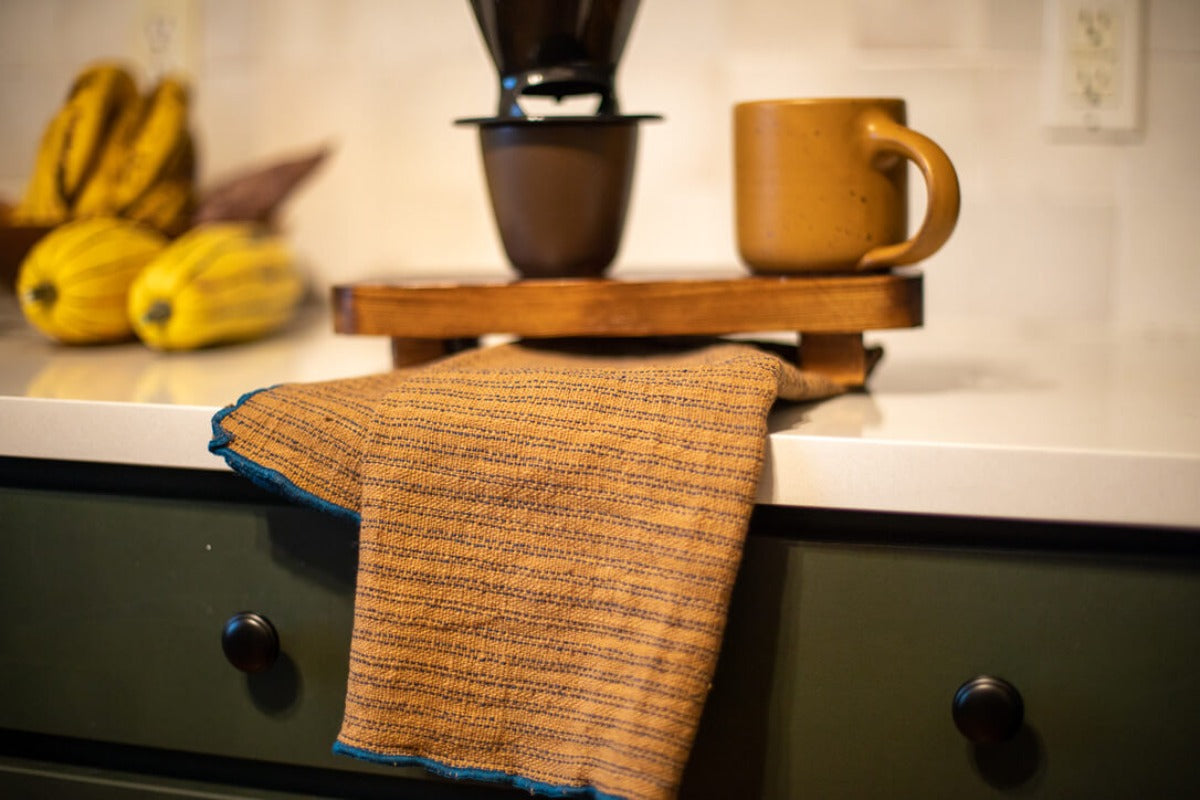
{"points": [[263, 477], [471, 774]]}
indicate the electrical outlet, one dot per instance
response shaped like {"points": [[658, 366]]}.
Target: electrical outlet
{"points": [[165, 36], [1091, 75]]}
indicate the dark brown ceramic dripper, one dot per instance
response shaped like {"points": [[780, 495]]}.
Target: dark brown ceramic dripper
{"points": [[555, 48], [559, 185]]}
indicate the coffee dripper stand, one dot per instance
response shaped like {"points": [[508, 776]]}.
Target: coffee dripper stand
{"points": [[558, 82], [428, 319]]}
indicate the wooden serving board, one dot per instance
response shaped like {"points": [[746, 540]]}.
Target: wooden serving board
{"points": [[427, 319]]}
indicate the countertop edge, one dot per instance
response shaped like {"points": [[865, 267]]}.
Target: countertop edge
{"points": [[1100, 487], [1105, 487], [109, 432]]}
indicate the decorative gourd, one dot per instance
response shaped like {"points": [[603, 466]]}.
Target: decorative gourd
{"points": [[73, 285], [219, 282]]}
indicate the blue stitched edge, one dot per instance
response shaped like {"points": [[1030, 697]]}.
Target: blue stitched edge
{"points": [[261, 476], [471, 774]]}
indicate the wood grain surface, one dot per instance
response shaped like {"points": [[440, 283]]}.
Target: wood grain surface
{"points": [[604, 307]]}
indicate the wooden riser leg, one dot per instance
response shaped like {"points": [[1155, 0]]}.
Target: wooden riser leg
{"points": [[407, 352], [840, 356]]}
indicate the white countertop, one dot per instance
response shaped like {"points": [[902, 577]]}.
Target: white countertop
{"points": [[974, 419]]}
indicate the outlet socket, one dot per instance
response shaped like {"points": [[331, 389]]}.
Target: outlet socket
{"points": [[165, 36], [1092, 68]]}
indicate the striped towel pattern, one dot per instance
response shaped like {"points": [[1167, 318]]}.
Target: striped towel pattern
{"points": [[548, 540]]}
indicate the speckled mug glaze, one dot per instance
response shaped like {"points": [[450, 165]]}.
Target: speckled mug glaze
{"points": [[821, 186]]}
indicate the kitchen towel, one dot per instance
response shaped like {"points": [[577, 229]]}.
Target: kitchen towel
{"points": [[548, 539]]}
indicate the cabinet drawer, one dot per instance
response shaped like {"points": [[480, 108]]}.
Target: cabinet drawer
{"points": [[836, 677], [32, 780], [112, 609], [852, 656]]}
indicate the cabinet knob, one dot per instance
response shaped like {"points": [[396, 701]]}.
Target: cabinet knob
{"points": [[988, 710], [250, 642]]}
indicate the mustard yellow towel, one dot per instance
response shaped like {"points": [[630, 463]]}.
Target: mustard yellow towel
{"points": [[548, 540]]}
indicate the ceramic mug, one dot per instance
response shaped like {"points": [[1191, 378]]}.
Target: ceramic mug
{"points": [[821, 186]]}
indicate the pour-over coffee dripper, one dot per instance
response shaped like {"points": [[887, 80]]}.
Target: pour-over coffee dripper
{"points": [[555, 48], [559, 185]]}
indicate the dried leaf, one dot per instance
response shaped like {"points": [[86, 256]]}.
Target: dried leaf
{"points": [[256, 194]]}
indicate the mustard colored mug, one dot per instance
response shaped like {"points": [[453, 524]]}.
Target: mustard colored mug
{"points": [[821, 186]]}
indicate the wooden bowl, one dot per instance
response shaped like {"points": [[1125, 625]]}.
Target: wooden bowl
{"points": [[15, 242]]}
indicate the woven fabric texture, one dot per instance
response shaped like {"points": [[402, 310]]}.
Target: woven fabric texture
{"points": [[548, 540]]}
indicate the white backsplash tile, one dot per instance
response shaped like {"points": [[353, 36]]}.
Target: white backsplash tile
{"points": [[924, 25], [232, 31], [104, 29], [1172, 26], [1029, 260], [804, 29], [1157, 282], [405, 35], [1012, 25], [27, 26]]}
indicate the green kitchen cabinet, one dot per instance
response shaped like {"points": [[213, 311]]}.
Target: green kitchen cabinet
{"points": [[848, 638], [868, 638]]}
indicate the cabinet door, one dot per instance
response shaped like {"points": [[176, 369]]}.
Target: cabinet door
{"points": [[112, 609], [841, 663]]}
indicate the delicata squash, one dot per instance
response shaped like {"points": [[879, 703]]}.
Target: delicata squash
{"points": [[74, 283], [219, 282]]}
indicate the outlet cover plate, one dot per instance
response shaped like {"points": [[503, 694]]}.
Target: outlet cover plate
{"points": [[165, 36], [1092, 66]]}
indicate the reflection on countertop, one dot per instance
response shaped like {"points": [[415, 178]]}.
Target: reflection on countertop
{"points": [[35, 367], [1005, 385]]}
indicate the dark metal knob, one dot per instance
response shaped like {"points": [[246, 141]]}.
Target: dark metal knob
{"points": [[988, 710], [250, 642]]}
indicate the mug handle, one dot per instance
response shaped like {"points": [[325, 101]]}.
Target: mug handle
{"points": [[886, 136]]}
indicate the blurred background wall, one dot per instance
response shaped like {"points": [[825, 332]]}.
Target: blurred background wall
{"points": [[1087, 231]]}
